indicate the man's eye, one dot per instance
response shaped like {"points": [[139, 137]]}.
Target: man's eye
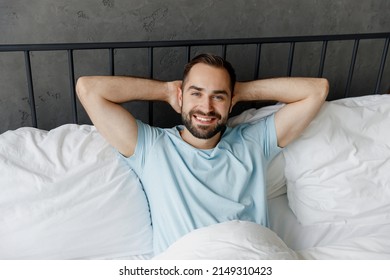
{"points": [[218, 97], [195, 94]]}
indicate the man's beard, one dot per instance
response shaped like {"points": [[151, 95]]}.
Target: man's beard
{"points": [[203, 131]]}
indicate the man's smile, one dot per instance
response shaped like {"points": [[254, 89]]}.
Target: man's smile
{"points": [[204, 119]]}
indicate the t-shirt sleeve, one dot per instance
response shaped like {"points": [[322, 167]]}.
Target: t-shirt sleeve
{"points": [[264, 132], [271, 140], [147, 136]]}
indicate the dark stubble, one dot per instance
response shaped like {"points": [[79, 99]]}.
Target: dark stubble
{"points": [[203, 131]]}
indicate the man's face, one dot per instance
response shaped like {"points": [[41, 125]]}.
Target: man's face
{"points": [[206, 100]]}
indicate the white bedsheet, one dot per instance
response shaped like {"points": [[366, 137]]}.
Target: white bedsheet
{"points": [[328, 241]]}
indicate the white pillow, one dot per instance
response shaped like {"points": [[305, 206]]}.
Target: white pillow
{"points": [[233, 240], [275, 179], [338, 170], [64, 194]]}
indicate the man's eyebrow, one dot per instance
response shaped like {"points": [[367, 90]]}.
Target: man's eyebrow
{"points": [[217, 91], [196, 88], [221, 91]]}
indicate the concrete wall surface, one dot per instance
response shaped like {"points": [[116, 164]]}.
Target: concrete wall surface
{"points": [[64, 21]]}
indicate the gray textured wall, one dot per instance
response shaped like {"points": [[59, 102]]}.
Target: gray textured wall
{"points": [[45, 21]]}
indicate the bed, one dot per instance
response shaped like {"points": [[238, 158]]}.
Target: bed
{"points": [[65, 194]]}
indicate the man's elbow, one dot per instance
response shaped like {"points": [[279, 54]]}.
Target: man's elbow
{"points": [[323, 89], [80, 88], [84, 86]]}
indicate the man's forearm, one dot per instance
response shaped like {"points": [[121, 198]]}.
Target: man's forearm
{"points": [[118, 89], [285, 90]]}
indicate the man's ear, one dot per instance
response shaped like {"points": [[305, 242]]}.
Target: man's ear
{"points": [[232, 103], [180, 97]]}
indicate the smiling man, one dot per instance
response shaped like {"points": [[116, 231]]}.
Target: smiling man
{"points": [[202, 172]]}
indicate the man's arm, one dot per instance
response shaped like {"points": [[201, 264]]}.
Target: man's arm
{"points": [[303, 97], [102, 96]]}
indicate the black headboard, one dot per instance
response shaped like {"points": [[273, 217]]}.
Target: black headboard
{"points": [[355, 65]]}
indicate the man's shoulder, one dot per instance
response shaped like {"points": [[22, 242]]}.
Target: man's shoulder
{"points": [[254, 124], [144, 125], [147, 131]]}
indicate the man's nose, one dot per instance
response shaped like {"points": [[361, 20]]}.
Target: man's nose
{"points": [[207, 104]]}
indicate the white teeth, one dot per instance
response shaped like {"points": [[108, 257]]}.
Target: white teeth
{"points": [[203, 119]]}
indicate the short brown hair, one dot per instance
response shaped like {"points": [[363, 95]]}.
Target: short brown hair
{"points": [[212, 60]]}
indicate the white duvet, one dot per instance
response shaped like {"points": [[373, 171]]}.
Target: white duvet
{"points": [[233, 240]]}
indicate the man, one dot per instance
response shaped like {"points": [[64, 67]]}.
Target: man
{"points": [[203, 172]]}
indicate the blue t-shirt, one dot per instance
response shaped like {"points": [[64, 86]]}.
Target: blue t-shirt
{"points": [[188, 188]]}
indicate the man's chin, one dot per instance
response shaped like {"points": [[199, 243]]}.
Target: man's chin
{"points": [[204, 132]]}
